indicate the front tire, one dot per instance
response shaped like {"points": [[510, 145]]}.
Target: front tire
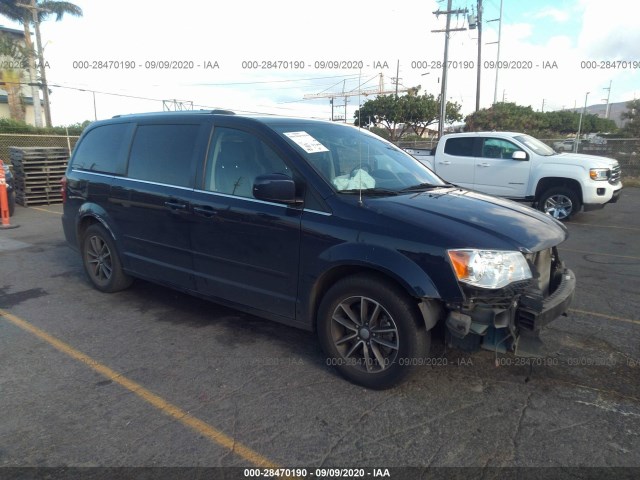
{"points": [[560, 202], [101, 261], [371, 331]]}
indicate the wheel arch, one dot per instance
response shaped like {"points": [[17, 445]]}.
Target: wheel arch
{"points": [[414, 282], [87, 216], [546, 183]]}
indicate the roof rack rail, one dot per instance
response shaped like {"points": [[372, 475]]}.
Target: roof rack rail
{"points": [[184, 112]]}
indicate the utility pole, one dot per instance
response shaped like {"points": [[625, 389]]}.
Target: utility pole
{"points": [[397, 79], [479, 55], [443, 89], [495, 90], [584, 109], [543, 105], [606, 112]]}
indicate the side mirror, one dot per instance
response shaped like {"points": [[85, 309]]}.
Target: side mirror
{"points": [[519, 155], [275, 187]]}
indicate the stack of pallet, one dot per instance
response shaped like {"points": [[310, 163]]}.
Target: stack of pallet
{"points": [[37, 173]]}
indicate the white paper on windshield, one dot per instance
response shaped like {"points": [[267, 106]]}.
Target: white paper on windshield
{"points": [[307, 142]]}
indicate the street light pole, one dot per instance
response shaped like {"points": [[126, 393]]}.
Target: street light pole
{"points": [[584, 109]]}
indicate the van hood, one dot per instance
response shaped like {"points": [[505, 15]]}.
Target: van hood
{"points": [[588, 161], [458, 218]]}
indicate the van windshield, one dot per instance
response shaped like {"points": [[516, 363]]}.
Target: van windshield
{"points": [[353, 159]]}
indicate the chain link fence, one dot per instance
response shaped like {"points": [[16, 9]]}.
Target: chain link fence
{"points": [[626, 151], [27, 140]]}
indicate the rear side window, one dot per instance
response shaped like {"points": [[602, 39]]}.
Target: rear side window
{"points": [[163, 153], [104, 149], [462, 147]]}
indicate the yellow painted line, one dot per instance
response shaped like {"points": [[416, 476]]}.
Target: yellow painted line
{"points": [[596, 253], [609, 317], [45, 210], [166, 407]]}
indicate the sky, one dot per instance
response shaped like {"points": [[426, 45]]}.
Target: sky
{"points": [[554, 52]]}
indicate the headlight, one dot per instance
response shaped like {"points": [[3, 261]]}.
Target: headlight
{"points": [[599, 173], [489, 268]]}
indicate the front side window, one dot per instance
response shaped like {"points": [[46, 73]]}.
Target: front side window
{"points": [[351, 159], [236, 158], [163, 153], [498, 148], [104, 149]]}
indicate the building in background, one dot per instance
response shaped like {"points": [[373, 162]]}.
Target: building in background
{"points": [[16, 101]]}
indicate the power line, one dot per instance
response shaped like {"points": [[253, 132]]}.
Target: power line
{"points": [[267, 81]]}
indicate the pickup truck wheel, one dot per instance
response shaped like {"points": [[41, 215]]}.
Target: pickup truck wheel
{"points": [[371, 331], [559, 202], [101, 261]]}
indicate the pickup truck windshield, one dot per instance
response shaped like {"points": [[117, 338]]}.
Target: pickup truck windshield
{"points": [[536, 145], [353, 159]]}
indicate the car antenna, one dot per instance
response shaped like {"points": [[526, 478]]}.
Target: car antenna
{"points": [[359, 138]]}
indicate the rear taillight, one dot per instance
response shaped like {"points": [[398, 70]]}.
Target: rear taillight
{"points": [[63, 188]]}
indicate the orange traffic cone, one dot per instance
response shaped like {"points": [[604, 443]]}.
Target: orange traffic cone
{"points": [[4, 200]]}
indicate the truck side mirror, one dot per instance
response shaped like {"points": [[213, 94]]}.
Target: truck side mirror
{"points": [[519, 155]]}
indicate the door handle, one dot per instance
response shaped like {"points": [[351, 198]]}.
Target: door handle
{"points": [[205, 211], [175, 205], [446, 162], [484, 164]]}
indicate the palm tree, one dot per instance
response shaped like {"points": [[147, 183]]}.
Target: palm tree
{"points": [[45, 9], [36, 12]]}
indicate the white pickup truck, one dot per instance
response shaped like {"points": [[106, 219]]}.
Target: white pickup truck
{"points": [[520, 167]]}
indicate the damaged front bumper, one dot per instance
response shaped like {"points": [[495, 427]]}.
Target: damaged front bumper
{"points": [[510, 319]]}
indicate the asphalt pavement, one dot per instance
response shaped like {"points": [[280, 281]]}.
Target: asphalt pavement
{"points": [[150, 377]]}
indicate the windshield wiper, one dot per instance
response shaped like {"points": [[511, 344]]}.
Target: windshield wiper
{"points": [[370, 191], [424, 186]]}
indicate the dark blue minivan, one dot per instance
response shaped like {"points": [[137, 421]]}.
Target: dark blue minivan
{"points": [[318, 225]]}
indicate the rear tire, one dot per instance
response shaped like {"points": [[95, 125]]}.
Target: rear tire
{"points": [[560, 202], [371, 331], [101, 261]]}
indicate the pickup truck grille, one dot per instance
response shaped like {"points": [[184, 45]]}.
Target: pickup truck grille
{"points": [[615, 175]]}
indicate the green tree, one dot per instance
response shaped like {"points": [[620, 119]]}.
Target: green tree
{"points": [[505, 117], [632, 127], [512, 117], [422, 111], [399, 115], [384, 110]]}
